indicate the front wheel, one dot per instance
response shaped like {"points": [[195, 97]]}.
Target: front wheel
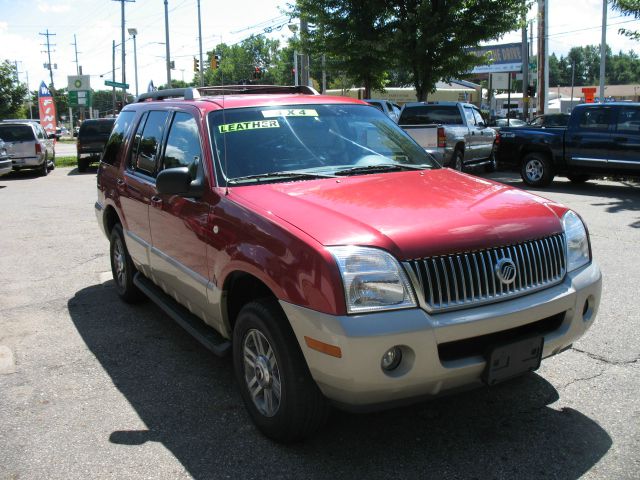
{"points": [[44, 169], [536, 170], [277, 389]]}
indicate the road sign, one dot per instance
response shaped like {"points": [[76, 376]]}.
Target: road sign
{"points": [[109, 83], [80, 98]]}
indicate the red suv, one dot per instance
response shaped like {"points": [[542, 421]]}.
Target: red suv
{"points": [[337, 261]]}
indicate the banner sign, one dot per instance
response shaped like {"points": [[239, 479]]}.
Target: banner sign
{"points": [[47, 109], [502, 58]]}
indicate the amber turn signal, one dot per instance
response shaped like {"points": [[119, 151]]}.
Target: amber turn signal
{"points": [[325, 348]]}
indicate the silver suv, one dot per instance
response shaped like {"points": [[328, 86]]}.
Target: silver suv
{"points": [[28, 145]]}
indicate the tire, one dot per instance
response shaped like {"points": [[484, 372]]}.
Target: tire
{"points": [[492, 166], [83, 163], [122, 267], [578, 178], [457, 160], [44, 169], [275, 384], [536, 170]]}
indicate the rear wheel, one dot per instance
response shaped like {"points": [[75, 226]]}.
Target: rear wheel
{"points": [[44, 168], [578, 178], [277, 389], [536, 170], [457, 160], [122, 267], [83, 163]]}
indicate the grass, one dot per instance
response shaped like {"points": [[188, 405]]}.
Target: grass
{"points": [[66, 140], [66, 161]]}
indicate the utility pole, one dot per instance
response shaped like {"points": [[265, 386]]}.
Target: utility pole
{"points": [[525, 70], [113, 76], [124, 74], [75, 46], [603, 49], [542, 57], [49, 45], [200, 42], [166, 32]]}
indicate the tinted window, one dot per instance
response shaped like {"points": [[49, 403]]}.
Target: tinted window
{"points": [[478, 117], [427, 114], [16, 133], [114, 144], [594, 119], [629, 120], [147, 141], [183, 144], [538, 121]]}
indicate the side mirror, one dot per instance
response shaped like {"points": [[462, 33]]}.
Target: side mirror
{"points": [[51, 136], [177, 181]]}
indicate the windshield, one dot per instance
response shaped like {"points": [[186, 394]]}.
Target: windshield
{"points": [[272, 143]]}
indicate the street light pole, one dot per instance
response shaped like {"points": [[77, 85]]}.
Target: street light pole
{"points": [[166, 30], [133, 32], [200, 41]]}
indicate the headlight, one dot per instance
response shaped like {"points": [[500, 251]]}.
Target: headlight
{"points": [[373, 280], [578, 253]]}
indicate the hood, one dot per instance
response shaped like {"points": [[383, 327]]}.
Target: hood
{"points": [[411, 214]]}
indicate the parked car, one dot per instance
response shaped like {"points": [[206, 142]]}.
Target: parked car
{"points": [[390, 109], [453, 132], [92, 137], [551, 120], [5, 161], [314, 240], [600, 139], [28, 145]]}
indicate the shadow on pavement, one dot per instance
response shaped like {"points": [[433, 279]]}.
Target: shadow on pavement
{"points": [[91, 170], [187, 398]]}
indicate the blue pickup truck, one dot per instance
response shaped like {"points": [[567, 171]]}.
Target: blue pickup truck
{"points": [[600, 139]]}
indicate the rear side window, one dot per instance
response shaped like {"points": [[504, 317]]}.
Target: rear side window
{"points": [[629, 120], [595, 119], [116, 139], [183, 144], [16, 133], [147, 142], [427, 114]]}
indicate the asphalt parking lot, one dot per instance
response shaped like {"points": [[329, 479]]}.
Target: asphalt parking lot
{"points": [[93, 388]]}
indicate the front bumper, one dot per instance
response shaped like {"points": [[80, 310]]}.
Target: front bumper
{"points": [[356, 380]]}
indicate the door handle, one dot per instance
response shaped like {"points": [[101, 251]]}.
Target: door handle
{"points": [[120, 185], [156, 202]]}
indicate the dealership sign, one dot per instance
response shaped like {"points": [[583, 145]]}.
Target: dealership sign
{"points": [[47, 108], [502, 58]]}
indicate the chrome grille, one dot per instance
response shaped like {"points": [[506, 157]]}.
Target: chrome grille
{"points": [[468, 279]]}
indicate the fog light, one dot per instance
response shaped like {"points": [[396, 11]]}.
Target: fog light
{"points": [[391, 358]]}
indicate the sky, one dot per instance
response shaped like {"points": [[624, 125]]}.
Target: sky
{"points": [[96, 23]]}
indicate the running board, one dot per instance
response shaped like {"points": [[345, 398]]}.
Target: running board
{"points": [[206, 335]]}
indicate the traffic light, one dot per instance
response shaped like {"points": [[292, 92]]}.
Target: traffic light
{"points": [[257, 73], [215, 62], [531, 91], [196, 64], [172, 64]]}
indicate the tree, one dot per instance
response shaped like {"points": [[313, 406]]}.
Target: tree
{"points": [[431, 39], [628, 8], [434, 37], [355, 35], [12, 92]]}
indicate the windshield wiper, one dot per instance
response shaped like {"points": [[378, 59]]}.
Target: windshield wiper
{"points": [[381, 167], [291, 174]]}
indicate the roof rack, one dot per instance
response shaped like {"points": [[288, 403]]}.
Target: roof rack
{"points": [[188, 93], [257, 89]]}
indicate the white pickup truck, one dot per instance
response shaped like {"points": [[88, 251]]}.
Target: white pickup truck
{"points": [[453, 132]]}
